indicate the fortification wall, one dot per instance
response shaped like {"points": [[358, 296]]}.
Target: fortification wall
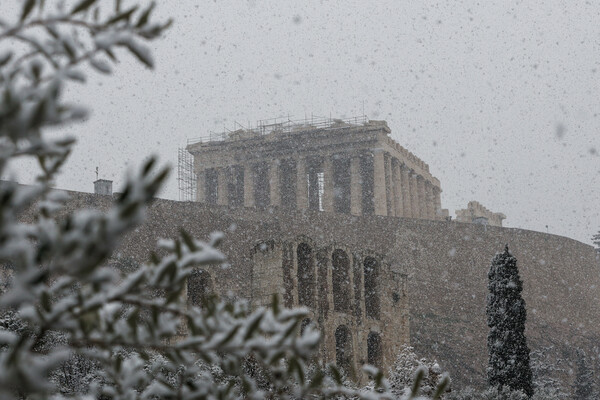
{"points": [[446, 262]]}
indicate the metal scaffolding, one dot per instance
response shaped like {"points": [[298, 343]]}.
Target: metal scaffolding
{"points": [[281, 125], [186, 177]]}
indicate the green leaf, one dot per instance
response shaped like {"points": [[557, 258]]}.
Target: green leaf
{"points": [[110, 54], [379, 379], [36, 70], [45, 300], [441, 387], [229, 336], [69, 49], [125, 15], [417, 382], [5, 58], [52, 31], [27, 7], [335, 374], [39, 113], [129, 210], [174, 296], [118, 362], [170, 270], [145, 15], [125, 193], [151, 32], [291, 329], [317, 379], [82, 6], [295, 365], [148, 165], [154, 258], [158, 180], [253, 327], [132, 320], [100, 66], [178, 248], [275, 304], [187, 239], [141, 53]]}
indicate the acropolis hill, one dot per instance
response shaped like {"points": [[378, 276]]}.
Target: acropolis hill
{"points": [[350, 166], [340, 218]]}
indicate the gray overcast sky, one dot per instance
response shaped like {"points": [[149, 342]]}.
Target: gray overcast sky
{"points": [[500, 98]]}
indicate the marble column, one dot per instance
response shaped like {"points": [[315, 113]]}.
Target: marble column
{"points": [[223, 186], [438, 202], [274, 184], [379, 188], [432, 208], [397, 186], [414, 196], [355, 186], [248, 186], [327, 184], [429, 205], [301, 184], [405, 189], [422, 197], [389, 191]]}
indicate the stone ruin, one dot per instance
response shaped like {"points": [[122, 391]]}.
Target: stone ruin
{"points": [[351, 167]]}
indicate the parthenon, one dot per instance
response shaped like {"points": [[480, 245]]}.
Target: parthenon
{"points": [[346, 166], [476, 213]]}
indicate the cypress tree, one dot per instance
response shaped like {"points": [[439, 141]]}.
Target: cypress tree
{"points": [[584, 379], [596, 241], [508, 363]]}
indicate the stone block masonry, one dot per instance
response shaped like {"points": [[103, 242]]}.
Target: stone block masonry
{"points": [[338, 166], [432, 281]]}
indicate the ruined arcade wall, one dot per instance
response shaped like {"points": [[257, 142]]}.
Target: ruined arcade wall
{"points": [[446, 263]]}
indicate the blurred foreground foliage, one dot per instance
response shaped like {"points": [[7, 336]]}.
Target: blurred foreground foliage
{"points": [[71, 327]]}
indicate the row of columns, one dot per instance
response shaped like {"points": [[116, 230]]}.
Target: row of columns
{"points": [[407, 193], [382, 186]]}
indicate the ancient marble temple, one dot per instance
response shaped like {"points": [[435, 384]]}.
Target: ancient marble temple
{"points": [[344, 166]]}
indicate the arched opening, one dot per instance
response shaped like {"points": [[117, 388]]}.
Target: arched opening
{"points": [[371, 271], [200, 285], [343, 349], [374, 356], [306, 275], [340, 266]]}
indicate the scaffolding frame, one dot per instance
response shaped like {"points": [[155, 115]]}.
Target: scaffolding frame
{"points": [[186, 177], [280, 125]]}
